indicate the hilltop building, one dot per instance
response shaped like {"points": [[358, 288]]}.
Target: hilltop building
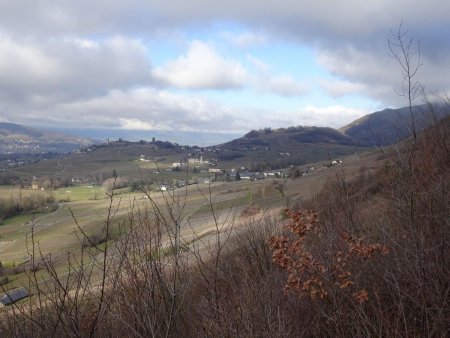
{"points": [[35, 183], [193, 160]]}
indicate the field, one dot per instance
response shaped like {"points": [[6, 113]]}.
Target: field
{"points": [[57, 232], [74, 193]]}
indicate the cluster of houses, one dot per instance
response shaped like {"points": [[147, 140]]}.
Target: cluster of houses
{"points": [[250, 175], [210, 172]]}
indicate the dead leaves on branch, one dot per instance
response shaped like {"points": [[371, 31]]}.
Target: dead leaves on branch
{"points": [[308, 274]]}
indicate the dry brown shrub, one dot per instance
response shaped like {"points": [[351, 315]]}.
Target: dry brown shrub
{"points": [[250, 211], [308, 274]]}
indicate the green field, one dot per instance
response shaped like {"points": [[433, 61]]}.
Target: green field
{"points": [[56, 232], [73, 193], [16, 220], [79, 193]]}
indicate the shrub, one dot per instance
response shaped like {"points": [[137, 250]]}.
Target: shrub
{"points": [[37, 202]]}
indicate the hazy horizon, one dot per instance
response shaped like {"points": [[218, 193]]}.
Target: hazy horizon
{"points": [[180, 137]]}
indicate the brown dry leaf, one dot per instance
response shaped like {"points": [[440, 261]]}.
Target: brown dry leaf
{"points": [[361, 296]]}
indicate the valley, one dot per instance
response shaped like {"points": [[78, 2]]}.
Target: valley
{"points": [[167, 219], [57, 233]]}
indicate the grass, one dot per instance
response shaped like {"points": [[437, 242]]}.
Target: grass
{"points": [[11, 264], [67, 194], [224, 205], [17, 220], [8, 191], [79, 193]]}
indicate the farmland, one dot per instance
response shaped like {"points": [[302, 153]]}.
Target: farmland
{"points": [[58, 232]]}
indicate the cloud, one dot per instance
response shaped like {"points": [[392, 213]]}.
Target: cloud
{"points": [[245, 39], [36, 70], [321, 19], [150, 109], [202, 68], [137, 124], [138, 108], [334, 116], [375, 74], [284, 85], [340, 88], [78, 61], [281, 84], [331, 116]]}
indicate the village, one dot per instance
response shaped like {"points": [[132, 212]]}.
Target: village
{"points": [[209, 171], [158, 165]]}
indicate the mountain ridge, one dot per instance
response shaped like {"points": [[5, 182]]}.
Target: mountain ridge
{"points": [[17, 138], [389, 126], [380, 128]]}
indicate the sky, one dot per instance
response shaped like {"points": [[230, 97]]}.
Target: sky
{"points": [[212, 67]]}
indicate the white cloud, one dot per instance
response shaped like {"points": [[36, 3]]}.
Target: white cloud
{"points": [[334, 116], [137, 124], [245, 39], [331, 116], [150, 109], [284, 85], [281, 84], [202, 68], [140, 109], [80, 60], [340, 88]]}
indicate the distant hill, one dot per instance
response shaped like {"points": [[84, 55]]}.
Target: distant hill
{"points": [[257, 150], [15, 138], [298, 134], [300, 145], [390, 126], [277, 148], [96, 162]]}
